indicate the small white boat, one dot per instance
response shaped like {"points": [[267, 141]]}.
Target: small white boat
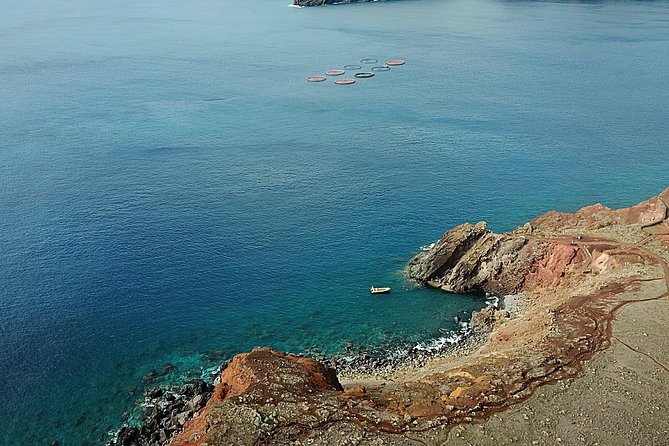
{"points": [[379, 290]]}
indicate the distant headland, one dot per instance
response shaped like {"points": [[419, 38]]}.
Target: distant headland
{"points": [[326, 2]]}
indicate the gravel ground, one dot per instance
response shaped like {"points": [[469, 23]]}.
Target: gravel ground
{"points": [[622, 399]]}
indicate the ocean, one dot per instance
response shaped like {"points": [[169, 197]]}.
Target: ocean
{"points": [[173, 191]]}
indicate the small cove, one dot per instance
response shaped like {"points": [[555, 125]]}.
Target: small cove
{"points": [[174, 192]]}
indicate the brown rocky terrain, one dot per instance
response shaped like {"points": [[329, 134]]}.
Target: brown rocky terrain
{"points": [[576, 357]]}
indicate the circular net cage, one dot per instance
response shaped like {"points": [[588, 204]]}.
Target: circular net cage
{"points": [[381, 68]]}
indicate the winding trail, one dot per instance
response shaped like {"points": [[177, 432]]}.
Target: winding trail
{"points": [[645, 254], [666, 368]]}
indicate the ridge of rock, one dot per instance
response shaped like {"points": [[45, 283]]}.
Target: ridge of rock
{"points": [[470, 258]]}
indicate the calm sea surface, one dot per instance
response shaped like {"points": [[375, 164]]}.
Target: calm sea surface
{"points": [[172, 190]]}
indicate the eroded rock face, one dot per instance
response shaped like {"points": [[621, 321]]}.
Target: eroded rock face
{"points": [[470, 258], [488, 318], [434, 264]]}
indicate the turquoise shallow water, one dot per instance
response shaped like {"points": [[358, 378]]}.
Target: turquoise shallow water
{"points": [[172, 191]]}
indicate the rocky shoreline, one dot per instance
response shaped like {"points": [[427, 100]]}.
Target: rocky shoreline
{"points": [[567, 275], [166, 412]]}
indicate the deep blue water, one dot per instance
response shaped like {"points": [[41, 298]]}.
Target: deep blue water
{"points": [[172, 190]]}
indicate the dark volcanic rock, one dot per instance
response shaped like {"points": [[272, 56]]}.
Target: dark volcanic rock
{"points": [[165, 415], [127, 436]]}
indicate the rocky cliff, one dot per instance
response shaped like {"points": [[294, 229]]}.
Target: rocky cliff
{"points": [[470, 258], [572, 274]]}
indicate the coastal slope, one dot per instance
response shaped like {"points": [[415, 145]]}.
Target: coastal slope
{"points": [[573, 284]]}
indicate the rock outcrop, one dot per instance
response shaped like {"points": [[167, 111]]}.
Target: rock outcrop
{"points": [[268, 397], [470, 258]]}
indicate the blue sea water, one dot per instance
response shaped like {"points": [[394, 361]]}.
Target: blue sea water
{"points": [[172, 190]]}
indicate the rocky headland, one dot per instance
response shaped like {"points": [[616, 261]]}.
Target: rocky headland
{"points": [[583, 288], [326, 2]]}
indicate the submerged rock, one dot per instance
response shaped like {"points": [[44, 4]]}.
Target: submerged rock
{"points": [[154, 392]]}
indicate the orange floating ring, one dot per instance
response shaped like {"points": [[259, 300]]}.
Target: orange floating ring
{"points": [[335, 72], [316, 78], [345, 81], [364, 74], [395, 62]]}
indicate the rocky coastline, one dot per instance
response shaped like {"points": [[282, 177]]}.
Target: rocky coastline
{"points": [[166, 412], [568, 276]]}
